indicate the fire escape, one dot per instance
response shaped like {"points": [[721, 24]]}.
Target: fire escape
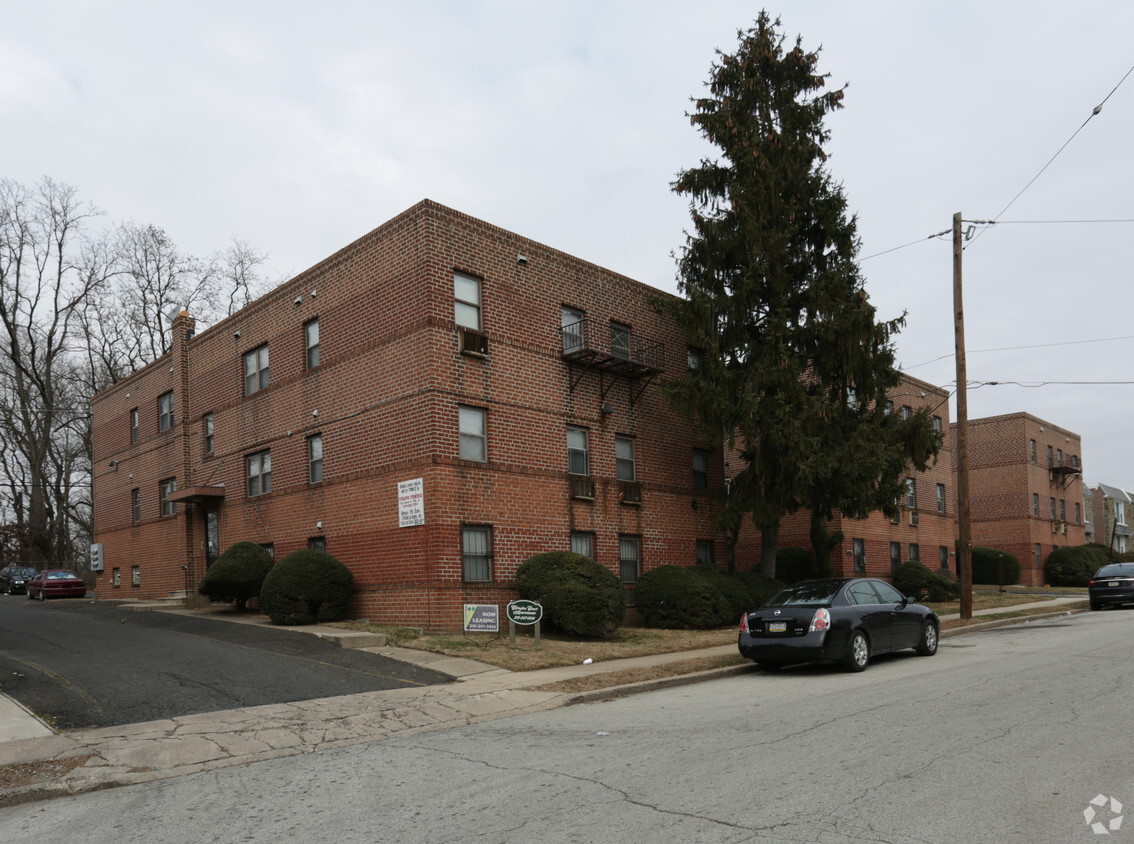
{"points": [[614, 352]]}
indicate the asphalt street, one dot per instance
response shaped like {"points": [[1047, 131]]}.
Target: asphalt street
{"points": [[1007, 735], [81, 663]]}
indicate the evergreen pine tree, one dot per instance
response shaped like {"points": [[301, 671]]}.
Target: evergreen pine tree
{"points": [[795, 366]]}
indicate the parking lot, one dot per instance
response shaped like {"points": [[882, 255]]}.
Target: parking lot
{"points": [[84, 663]]}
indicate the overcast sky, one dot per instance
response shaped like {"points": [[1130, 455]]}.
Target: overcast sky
{"points": [[300, 126]]}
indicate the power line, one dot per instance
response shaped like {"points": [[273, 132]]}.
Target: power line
{"points": [[1021, 348]]}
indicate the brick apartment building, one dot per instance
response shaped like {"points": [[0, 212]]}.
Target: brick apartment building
{"points": [[926, 527], [433, 404], [1025, 489]]}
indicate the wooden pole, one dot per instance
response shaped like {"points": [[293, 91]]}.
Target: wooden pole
{"points": [[964, 543]]}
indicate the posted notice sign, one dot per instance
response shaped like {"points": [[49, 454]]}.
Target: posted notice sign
{"points": [[411, 503], [482, 618]]}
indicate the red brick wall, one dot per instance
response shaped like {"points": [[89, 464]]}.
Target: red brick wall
{"points": [[385, 400]]}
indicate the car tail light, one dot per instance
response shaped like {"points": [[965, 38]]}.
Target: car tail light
{"points": [[820, 621], [744, 623]]}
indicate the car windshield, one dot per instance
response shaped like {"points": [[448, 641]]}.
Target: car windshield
{"points": [[1116, 570], [59, 575], [812, 593]]}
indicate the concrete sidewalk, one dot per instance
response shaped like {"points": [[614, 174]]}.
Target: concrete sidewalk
{"points": [[92, 759]]}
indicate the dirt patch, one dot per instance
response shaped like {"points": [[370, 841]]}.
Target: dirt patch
{"points": [[30, 773]]}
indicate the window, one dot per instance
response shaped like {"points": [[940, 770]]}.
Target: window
{"points": [[1059, 457], [888, 408], [895, 557], [859, 546], [937, 424], [115, 578], [624, 458], [476, 550], [943, 557], [852, 398], [259, 473], [571, 322], [629, 559], [165, 411], [1120, 544], [915, 552], [911, 494], [256, 370], [134, 425], [270, 547], [694, 358], [577, 463], [136, 504], [906, 411], [135, 575], [474, 444], [209, 433], [1053, 509], [1078, 514], [1032, 450], [317, 543], [1075, 460], [862, 594], [1120, 512], [888, 593], [466, 304], [1050, 457], [1035, 504], [700, 469], [706, 553], [620, 340], [168, 487], [311, 341], [1062, 510], [583, 543], [315, 459], [941, 498]]}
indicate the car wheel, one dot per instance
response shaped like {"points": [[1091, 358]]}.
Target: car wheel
{"points": [[770, 667], [29, 594], [42, 595], [928, 644], [858, 652]]}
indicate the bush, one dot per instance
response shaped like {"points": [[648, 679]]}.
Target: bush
{"points": [[237, 574], [987, 567], [682, 596], [760, 588], [306, 587], [918, 581], [796, 564], [732, 588], [1074, 565], [578, 595]]}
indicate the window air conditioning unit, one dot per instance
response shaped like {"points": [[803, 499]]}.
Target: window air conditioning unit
{"points": [[913, 517], [473, 343], [1063, 526], [1055, 527], [96, 557], [630, 492], [583, 489]]}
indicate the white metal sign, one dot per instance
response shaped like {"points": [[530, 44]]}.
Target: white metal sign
{"points": [[411, 503]]}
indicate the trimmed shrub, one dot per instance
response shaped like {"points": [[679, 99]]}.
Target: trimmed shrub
{"points": [[306, 587], [1074, 565], [682, 596], [760, 588], [578, 595], [796, 564], [237, 574], [918, 581], [987, 567], [731, 587]]}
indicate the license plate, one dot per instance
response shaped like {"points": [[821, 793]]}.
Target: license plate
{"points": [[1115, 583], [777, 627]]}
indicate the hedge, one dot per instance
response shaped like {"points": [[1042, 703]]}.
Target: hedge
{"points": [[306, 587], [236, 575], [578, 595]]}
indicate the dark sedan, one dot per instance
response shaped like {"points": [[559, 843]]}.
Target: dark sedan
{"points": [[1112, 584], [842, 620], [56, 583], [14, 579]]}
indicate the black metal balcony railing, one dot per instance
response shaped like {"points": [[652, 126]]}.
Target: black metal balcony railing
{"points": [[611, 348]]}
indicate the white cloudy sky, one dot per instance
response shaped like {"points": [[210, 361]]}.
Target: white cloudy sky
{"points": [[300, 126]]}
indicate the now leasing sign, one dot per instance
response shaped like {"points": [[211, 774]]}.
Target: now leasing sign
{"points": [[482, 618]]}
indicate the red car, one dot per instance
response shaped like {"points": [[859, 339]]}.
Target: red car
{"points": [[56, 583]]}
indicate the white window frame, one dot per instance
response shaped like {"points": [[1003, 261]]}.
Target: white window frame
{"points": [[258, 473], [166, 417], [467, 307], [210, 433], [311, 343], [582, 542], [571, 325], [578, 451], [625, 466], [315, 459], [168, 487], [472, 424], [256, 370]]}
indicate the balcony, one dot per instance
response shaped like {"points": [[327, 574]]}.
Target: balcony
{"points": [[611, 350]]}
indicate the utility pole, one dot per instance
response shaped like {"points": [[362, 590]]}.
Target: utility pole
{"points": [[964, 550]]}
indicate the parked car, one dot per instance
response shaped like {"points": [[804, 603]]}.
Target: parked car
{"points": [[13, 579], [841, 620], [1112, 584], [56, 583]]}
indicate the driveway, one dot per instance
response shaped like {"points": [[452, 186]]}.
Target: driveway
{"points": [[83, 663]]}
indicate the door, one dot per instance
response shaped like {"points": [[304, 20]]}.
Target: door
{"points": [[212, 535]]}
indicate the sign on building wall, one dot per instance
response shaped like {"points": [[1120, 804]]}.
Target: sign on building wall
{"points": [[411, 503]]}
